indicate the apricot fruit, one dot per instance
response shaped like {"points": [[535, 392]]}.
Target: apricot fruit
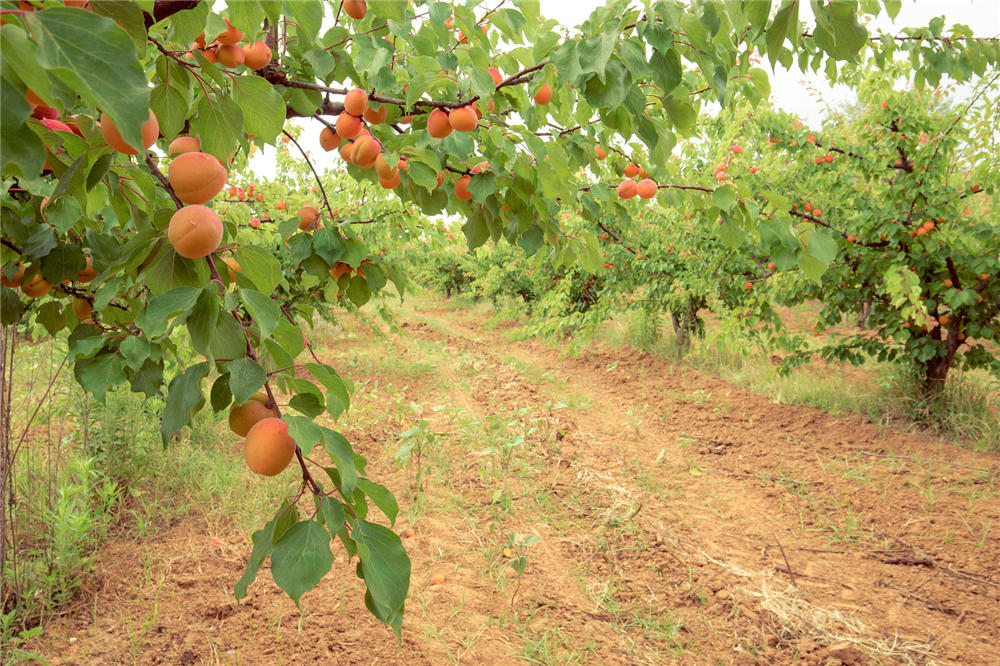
{"points": [[438, 125], [544, 95], [307, 217], [247, 415], [87, 274], [646, 188], [627, 189], [366, 151], [254, 222], [150, 132], [348, 126], [36, 286], [383, 169], [390, 183], [15, 281], [230, 55], [230, 36], [463, 119], [376, 116], [257, 56], [196, 177], [356, 101], [195, 231], [269, 448], [631, 170], [339, 269], [281, 205], [82, 307], [347, 150], [328, 139], [462, 188], [496, 75], [356, 9], [184, 144], [600, 153]]}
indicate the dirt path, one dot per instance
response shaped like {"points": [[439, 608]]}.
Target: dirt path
{"points": [[678, 519]]}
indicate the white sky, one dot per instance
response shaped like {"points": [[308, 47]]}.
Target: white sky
{"points": [[802, 94]]}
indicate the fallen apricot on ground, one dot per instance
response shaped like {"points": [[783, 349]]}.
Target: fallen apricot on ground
{"points": [[194, 231], [150, 131], [196, 177], [269, 448]]}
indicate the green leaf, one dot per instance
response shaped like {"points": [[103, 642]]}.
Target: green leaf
{"points": [[170, 270], [170, 108], [386, 570], [263, 310], [19, 146], [263, 108], [724, 197], [63, 263], [153, 320], [218, 122], [393, 10], [613, 90], [784, 21], [838, 31], [203, 321], [329, 245], [99, 373], [260, 267], [358, 291], [50, 315], [341, 453], [246, 378], [823, 246], [262, 544], [300, 558], [681, 112], [382, 497], [184, 399], [11, 307], [95, 57]]}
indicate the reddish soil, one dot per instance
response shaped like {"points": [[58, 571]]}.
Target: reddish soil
{"points": [[681, 520]]}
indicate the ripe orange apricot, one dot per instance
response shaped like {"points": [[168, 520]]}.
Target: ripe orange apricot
{"points": [[463, 119], [627, 189], [82, 307], [366, 151], [257, 56], [230, 36], [347, 150], [254, 222], [281, 205], [339, 269], [196, 177], [245, 416], [348, 126], [392, 182], [356, 101], [195, 231], [307, 217], [600, 152], [383, 169], [328, 139], [230, 55], [438, 125], [36, 286], [15, 281], [184, 144], [544, 95], [646, 188], [87, 274], [150, 132], [496, 75], [356, 9], [462, 188], [376, 116], [631, 170], [269, 448]]}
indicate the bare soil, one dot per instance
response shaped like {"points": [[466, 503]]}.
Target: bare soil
{"points": [[681, 520]]}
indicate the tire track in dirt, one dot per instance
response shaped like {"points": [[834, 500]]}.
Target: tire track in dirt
{"points": [[895, 563]]}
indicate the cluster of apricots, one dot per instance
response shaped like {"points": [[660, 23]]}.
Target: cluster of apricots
{"points": [[646, 188], [195, 230], [268, 448], [226, 50], [356, 144]]}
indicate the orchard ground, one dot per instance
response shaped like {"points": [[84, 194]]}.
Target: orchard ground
{"points": [[679, 519]]}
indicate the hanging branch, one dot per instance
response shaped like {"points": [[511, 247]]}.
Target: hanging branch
{"points": [[319, 182]]}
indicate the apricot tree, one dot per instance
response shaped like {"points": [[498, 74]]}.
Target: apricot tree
{"points": [[491, 114]]}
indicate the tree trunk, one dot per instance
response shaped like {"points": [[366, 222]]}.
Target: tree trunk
{"points": [[935, 374], [866, 310]]}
